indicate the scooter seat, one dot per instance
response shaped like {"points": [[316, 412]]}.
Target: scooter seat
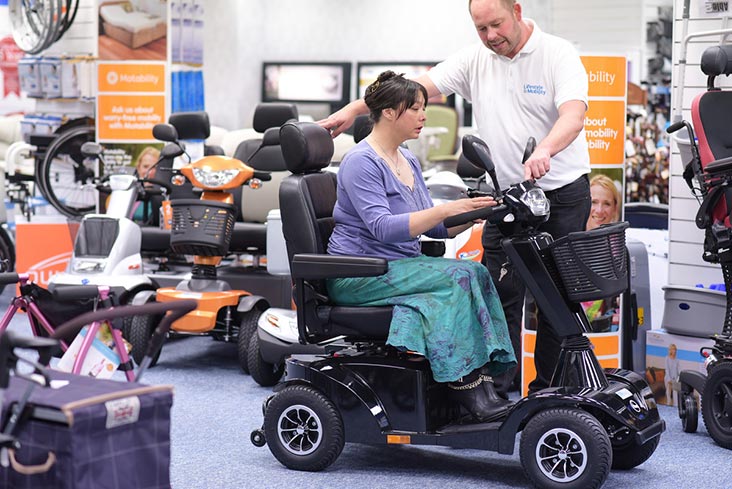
{"points": [[154, 239], [360, 322], [249, 236]]}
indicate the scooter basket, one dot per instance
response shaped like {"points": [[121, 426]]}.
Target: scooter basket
{"points": [[201, 227], [593, 264]]}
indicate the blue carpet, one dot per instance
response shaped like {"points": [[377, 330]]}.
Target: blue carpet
{"points": [[216, 407]]}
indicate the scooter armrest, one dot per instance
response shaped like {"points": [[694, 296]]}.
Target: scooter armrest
{"points": [[317, 267]]}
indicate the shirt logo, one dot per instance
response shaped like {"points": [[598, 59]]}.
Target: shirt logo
{"points": [[537, 89]]}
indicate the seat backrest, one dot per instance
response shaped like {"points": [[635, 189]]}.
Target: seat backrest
{"points": [[308, 196], [710, 114], [444, 117]]}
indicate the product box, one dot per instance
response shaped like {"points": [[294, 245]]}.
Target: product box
{"points": [[51, 77], [100, 362], [29, 72], [70, 73], [85, 433], [663, 365]]}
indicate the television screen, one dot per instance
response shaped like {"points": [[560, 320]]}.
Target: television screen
{"points": [[368, 71], [306, 82]]}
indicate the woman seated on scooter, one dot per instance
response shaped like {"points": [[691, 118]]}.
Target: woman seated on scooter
{"points": [[447, 310]]}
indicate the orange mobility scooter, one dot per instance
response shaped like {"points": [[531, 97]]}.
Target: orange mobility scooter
{"points": [[203, 227]]}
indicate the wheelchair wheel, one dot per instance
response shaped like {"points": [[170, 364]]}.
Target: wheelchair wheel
{"points": [[264, 373], [247, 327], [565, 448], [717, 404], [303, 429], [628, 454], [688, 413], [65, 177]]}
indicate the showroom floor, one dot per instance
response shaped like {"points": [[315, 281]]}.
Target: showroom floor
{"points": [[216, 407]]}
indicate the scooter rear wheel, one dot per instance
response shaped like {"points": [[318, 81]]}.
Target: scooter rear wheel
{"points": [[717, 404], [247, 327], [688, 413], [303, 429], [264, 373], [565, 448]]}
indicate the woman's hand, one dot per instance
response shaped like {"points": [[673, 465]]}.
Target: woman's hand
{"points": [[462, 206], [467, 205]]}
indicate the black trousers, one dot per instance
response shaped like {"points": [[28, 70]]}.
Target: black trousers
{"points": [[570, 209]]}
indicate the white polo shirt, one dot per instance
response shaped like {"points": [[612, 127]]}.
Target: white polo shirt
{"points": [[516, 98]]}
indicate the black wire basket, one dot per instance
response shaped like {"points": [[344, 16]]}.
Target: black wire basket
{"points": [[201, 227], [592, 265]]}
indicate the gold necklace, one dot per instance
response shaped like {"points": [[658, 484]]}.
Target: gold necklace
{"points": [[389, 161]]}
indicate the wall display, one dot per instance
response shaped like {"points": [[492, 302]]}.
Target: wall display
{"points": [[366, 73], [133, 29], [306, 82]]}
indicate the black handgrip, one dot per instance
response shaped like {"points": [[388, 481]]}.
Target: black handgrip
{"points": [[675, 127], [75, 292], [264, 176], [153, 191], [529, 149], [466, 217], [9, 278], [177, 308]]}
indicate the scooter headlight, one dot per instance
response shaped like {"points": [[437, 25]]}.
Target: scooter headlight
{"points": [[214, 179], [536, 201]]}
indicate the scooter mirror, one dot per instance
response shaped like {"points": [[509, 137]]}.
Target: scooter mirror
{"points": [[172, 150], [165, 132], [529, 150], [91, 149], [478, 153]]}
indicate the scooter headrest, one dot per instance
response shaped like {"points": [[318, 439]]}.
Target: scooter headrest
{"points": [[306, 146], [273, 114], [191, 125], [717, 60]]}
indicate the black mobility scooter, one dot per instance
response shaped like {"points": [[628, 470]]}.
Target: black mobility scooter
{"points": [[708, 174], [588, 421]]}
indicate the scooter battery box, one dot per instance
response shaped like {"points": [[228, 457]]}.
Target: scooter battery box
{"points": [[86, 433]]}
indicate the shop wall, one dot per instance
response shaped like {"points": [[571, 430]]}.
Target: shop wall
{"points": [[686, 241], [242, 34]]}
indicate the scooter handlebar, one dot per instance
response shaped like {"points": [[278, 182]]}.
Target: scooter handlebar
{"points": [[466, 217], [264, 176]]}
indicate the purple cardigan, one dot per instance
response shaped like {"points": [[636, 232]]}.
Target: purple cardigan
{"points": [[373, 207]]}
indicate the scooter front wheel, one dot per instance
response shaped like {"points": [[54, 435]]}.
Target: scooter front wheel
{"points": [[565, 448], [303, 429], [717, 404]]}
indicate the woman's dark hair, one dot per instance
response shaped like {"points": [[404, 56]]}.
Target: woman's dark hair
{"points": [[392, 91]]}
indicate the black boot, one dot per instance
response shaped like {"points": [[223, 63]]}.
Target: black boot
{"points": [[476, 393]]}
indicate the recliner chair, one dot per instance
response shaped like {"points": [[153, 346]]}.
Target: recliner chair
{"points": [[265, 154], [307, 198]]}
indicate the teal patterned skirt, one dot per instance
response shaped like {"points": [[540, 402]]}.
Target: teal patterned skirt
{"points": [[447, 310]]}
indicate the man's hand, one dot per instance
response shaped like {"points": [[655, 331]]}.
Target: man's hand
{"points": [[341, 120], [537, 165]]}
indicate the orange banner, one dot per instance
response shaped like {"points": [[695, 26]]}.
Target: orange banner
{"points": [[129, 117], [605, 131], [131, 77], [44, 249], [606, 75]]}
